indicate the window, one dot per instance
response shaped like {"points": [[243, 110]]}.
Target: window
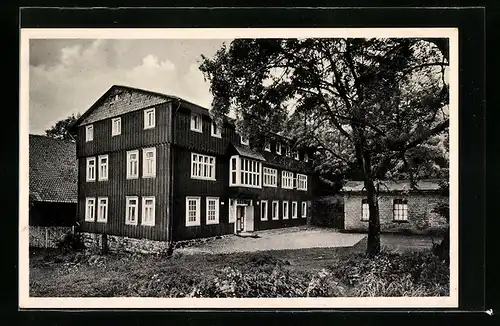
{"points": [[287, 151], [234, 170], [148, 211], [287, 180], [365, 211], [133, 164], [116, 126], [89, 209], [149, 118], [306, 157], [304, 209], [244, 140], [202, 167], [216, 131], [270, 177], [301, 182], [149, 162], [400, 209], [267, 146], [103, 167], [192, 211], [278, 148], [244, 172], [131, 210], [212, 210], [263, 210], [90, 168], [232, 210], [89, 133], [102, 209], [294, 209], [196, 123], [285, 210], [297, 155], [275, 210]]}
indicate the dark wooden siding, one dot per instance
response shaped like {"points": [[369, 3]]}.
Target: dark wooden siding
{"points": [[133, 134], [185, 186], [118, 187]]}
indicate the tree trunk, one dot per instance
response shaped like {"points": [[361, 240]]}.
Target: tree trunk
{"points": [[373, 243]]}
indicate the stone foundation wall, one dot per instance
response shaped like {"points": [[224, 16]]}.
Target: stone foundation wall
{"points": [[47, 236], [93, 241]]}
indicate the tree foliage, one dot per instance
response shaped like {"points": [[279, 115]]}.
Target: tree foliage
{"points": [[61, 128], [376, 105]]}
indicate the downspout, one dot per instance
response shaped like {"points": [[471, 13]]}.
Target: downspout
{"points": [[171, 176]]}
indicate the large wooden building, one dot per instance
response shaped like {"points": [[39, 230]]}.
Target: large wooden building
{"points": [[157, 167]]}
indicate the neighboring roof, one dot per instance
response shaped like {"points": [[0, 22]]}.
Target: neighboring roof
{"points": [[398, 185], [248, 152], [52, 169]]}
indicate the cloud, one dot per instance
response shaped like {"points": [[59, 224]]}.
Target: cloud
{"points": [[82, 73]]}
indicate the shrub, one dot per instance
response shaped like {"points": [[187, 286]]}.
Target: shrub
{"points": [[71, 242]]}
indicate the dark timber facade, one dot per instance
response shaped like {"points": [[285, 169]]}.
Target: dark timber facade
{"points": [[157, 167]]}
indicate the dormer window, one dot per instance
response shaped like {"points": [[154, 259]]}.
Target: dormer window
{"points": [[149, 118], [89, 133], [196, 122], [216, 130], [267, 146], [297, 155], [306, 157], [278, 148], [287, 151], [244, 140]]}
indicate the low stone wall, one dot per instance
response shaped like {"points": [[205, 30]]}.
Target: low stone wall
{"points": [[47, 236], [93, 241]]}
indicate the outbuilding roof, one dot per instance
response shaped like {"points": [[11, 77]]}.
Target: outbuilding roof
{"points": [[394, 185]]}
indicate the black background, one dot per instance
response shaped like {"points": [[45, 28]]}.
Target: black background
{"points": [[472, 150]]}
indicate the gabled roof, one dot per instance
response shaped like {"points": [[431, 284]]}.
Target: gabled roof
{"points": [[52, 169], [397, 185], [106, 107]]}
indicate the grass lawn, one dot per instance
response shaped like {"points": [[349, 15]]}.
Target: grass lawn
{"points": [[284, 273]]}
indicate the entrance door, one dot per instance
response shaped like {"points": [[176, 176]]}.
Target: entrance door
{"points": [[240, 219]]}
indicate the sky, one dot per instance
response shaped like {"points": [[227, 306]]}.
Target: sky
{"points": [[68, 75]]}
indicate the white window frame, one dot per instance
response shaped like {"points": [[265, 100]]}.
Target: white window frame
{"points": [[297, 155], [252, 171], [286, 179], [365, 210], [89, 133], [127, 206], [304, 209], [116, 126], [145, 173], [217, 206], [275, 210], [99, 217], [192, 122], [91, 171], [129, 175], [149, 114], [267, 146], [270, 177], [197, 220], [215, 130], [90, 203], [264, 212], [301, 182], [232, 210], [244, 140], [400, 210], [103, 176], [288, 151], [278, 148], [150, 222], [198, 166], [294, 210], [285, 211]]}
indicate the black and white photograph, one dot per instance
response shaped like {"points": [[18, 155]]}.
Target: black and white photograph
{"points": [[171, 168]]}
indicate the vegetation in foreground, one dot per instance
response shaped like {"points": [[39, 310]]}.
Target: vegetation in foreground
{"points": [[320, 272]]}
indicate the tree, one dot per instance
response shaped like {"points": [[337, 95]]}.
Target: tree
{"points": [[379, 105], [61, 129]]}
